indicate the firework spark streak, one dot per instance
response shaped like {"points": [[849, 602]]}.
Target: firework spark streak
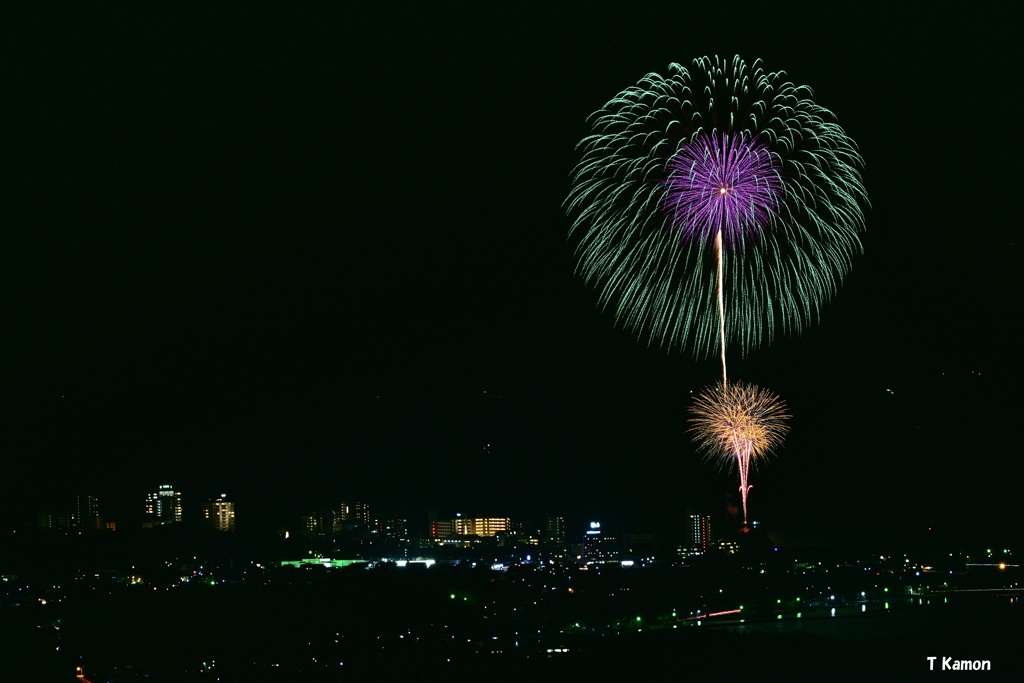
{"points": [[737, 423], [718, 154], [722, 184]]}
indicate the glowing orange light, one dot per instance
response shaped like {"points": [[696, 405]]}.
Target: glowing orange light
{"points": [[713, 614], [738, 423]]}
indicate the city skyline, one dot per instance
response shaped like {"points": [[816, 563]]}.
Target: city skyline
{"points": [[167, 504], [308, 254]]}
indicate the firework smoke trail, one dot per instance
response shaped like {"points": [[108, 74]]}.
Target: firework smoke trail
{"points": [[719, 184], [738, 424], [721, 302], [718, 162]]}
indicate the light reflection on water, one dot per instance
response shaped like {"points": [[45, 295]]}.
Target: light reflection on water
{"points": [[914, 616]]}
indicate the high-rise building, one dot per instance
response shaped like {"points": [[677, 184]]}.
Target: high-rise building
{"points": [[350, 518], [85, 513], [163, 506], [554, 529], [700, 528], [219, 514], [393, 529], [57, 521], [312, 523], [599, 547], [354, 514], [553, 540], [82, 514], [441, 527]]}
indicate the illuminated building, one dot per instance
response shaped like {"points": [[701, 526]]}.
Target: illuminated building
{"points": [[325, 562], [352, 516], [163, 506], [58, 521], [728, 547], [312, 523], [86, 513], [83, 514], [393, 529], [481, 526], [441, 528], [351, 519], [553, 537], [320, 522], [700, 527], [554, 530], [598, 547], [219, 514]]}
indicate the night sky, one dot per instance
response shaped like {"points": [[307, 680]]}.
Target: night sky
{"points": [[315, 254]]}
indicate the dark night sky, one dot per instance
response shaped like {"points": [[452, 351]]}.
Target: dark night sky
{"points": [[311, 254]]}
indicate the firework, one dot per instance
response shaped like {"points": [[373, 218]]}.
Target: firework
{"points": [[738, 424], [717, 203]]}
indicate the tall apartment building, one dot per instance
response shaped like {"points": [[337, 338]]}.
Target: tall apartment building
{"points": [[700, 528], [219, 514], [393, 529], [597, 546], [163, 506], [441, 527], [85, 513], [353, 514]]}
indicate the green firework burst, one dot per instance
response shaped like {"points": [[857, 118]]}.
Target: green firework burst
{"points": [[659, 274]]}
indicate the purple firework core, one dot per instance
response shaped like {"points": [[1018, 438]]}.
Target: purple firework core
{"points": [[727, 181]]}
